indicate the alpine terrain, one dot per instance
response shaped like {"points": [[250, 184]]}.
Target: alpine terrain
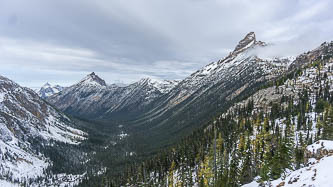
{"points": [[281, 135], [244, 120], [29, 128], [167, 108]]}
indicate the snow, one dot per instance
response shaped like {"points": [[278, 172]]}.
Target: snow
{"points": [[62, 133], [318, 173], [252, 184], [325, 144], [93, 80], [2, 97], [4, 183], [249, 44], [90, 82], [207, 69], [24, 118], [164, 86], [24, 164], [122, 135], [48, 90]]}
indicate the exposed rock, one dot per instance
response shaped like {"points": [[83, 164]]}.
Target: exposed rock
{"points": [[318, 150], [281, 184]]}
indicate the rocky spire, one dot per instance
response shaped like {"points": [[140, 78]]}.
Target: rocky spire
{"points": [[247, 42]]}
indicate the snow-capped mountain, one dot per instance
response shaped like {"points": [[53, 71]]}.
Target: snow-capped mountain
{"points": [[238, 64], [47, 90], [181, 105], [198, 97], [92, 97], [27, 125], [265, 139]]}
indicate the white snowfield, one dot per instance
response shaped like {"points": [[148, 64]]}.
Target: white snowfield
{"points": [[317, 173]]}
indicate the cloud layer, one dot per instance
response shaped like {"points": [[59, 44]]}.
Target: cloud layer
{"points": [[123, 41]]}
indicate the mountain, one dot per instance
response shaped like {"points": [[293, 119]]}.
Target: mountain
{"points": [[208, 91], [264, 139], [47, 90], [173, 106], [28, 128], [93, 98], [92, 80]]}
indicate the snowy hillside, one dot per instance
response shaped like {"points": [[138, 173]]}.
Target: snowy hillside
{"points": [[27, 124], [47, 90], [317, 172]]}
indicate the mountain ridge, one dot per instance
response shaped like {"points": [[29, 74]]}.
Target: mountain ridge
{"points": [[264, 139], [27, 126]]}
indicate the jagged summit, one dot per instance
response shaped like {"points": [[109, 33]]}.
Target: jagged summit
{"points": [[248, 41], [93, 79]]}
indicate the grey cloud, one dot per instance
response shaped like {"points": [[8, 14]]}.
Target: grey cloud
{"points": [[60, 41]]}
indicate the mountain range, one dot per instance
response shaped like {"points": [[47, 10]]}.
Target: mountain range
{"points": [[229, 123], [173, 107]]}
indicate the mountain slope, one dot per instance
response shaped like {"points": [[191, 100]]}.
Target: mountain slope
{"points": [[93, 98], [27, 125], [47, 90], [263, 137], [211, 89]]}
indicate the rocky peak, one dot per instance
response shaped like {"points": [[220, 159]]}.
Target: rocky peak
{"points": [[93, 79], [248, 41]]}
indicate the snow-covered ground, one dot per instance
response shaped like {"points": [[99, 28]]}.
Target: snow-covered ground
{"points": [[317, 173], [4, 183], [321, 144]]}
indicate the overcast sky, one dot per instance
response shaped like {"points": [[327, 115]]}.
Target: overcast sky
{"points": [[124, 40]]}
